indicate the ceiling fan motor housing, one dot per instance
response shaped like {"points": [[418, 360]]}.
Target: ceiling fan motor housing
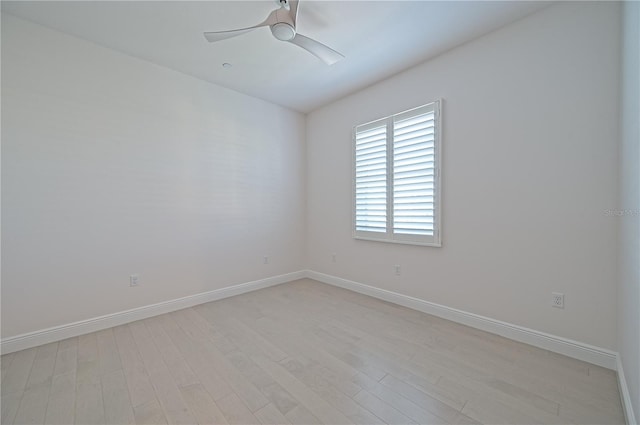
{"points": [[283, 31]]}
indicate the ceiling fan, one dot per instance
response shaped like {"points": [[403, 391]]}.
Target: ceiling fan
{"points": [[282, 23]]}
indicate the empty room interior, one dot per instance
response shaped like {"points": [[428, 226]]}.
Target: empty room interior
{"points": [[320, 212]]}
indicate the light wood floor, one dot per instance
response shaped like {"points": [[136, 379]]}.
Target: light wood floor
{"points": [[301, 353]]}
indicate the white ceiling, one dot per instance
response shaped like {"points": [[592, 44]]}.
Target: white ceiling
{"points": [[378, 38]]}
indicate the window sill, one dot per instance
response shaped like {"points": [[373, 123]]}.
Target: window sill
{"points": [[434, 244]]}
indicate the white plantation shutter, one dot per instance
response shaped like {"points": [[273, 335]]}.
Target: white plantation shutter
{"points": [[371, 178], [414, 173], [396, 183]]}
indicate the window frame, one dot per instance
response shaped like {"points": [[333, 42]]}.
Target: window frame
{"points": [[389, 236]]}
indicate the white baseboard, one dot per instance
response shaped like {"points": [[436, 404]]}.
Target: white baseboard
{"points": [[57, 333], [578, 350], [624, 394]]}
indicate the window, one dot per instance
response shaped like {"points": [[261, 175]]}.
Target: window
{"points": [[397, 178]]}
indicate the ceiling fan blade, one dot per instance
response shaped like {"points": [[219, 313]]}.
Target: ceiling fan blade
{"points": [[223, 35], [319, 50], [293, 11]]}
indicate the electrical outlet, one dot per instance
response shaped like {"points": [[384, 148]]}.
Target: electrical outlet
{"points": [[333, 257], [265, 260], [397, 268], [134, 280], [557, 299]]}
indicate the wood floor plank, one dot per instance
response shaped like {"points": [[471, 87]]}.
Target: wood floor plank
{"points": [[463, 419], [149, 413], [171, 355], [146, 347], [277, 395], [584, 412], [527, 397], [300, 415], [33, 405], [295, 342], [280, 398], [33, 402], [108, 352], [118, 408], [138, 384], [9, 404], [566, 392], [89, 405], [419, 407], [489, 411], [88, 360], [361, 363], [62, 398], [313, 402], [605, 376], [174, 406], [235, 411], [262, 344], [5, 362], [200, 402], [214, 384], [244, 388], [488, 403], [249, 369], [200, 326], [68, 344], [43, 365], [270, 415], [380, 408], [345, 404], [396, 332], [343, 384], [16, 377], [66, 359], [198, 360], [433, 398]]}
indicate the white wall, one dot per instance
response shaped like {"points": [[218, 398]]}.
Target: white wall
{"points": [[530, 130], [629, 206], [113, 166]]}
